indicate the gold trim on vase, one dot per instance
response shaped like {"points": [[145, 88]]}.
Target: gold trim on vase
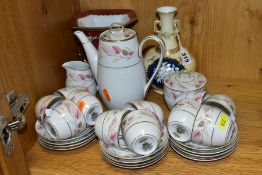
{"points": [[170, 51]]}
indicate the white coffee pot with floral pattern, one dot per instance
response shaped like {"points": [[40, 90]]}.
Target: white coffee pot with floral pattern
{"points": [[117, 65]]}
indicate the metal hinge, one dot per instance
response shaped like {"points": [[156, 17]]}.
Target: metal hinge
{"points": [[17, 106]]}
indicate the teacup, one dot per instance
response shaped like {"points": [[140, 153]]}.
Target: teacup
{"points": [[45, 103], [107, 127], [223, 102], [40, 130], [88, 104], [141, 131], [212, 127], [72, 116], [57, 126], [181, 120], [147, 105], [178, 83], [66, 91]]}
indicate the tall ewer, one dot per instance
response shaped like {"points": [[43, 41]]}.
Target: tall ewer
{"points": [[176, 58]]}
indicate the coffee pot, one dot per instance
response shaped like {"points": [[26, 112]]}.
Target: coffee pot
{"points": [[118, 65]]}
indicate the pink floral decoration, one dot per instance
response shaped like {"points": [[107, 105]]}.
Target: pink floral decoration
{"points": [[197, 136], [173, 95], [42, 110], [116, 49], [39, 127]]}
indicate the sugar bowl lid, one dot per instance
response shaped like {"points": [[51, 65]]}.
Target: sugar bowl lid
{"points": [[117, 33], [185, 81]]}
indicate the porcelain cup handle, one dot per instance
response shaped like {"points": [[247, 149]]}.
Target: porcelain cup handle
{"points": [[162, 54]]}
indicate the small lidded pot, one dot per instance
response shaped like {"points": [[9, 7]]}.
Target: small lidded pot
{"points": [[178, 83]]}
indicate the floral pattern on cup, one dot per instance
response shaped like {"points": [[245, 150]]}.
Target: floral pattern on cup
{"points": [[212, 127], [201, 124], [108, 127], [40, 130], [77, 115]]}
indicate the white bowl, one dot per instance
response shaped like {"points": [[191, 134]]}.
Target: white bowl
{"points": [[179, 83]]}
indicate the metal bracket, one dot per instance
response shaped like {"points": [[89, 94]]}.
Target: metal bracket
{"points": [[17, 106]]}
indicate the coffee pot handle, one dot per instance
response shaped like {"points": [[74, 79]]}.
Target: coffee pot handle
{"points": [[162, 54]]}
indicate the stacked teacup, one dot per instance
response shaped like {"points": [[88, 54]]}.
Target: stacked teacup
{"points": [[65, 120], [201, 126], [133, 137]]}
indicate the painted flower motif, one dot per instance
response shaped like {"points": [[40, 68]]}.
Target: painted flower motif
{"points": [[198, 98], [117, 51], [197, 136], [94, 116], [147, 146], [39, 127], [174, 95], [113, 130], [106, 146], [72, 98], [82, 77], [42, 109], [73, 111]]}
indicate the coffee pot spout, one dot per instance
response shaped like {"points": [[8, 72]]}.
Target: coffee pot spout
{"points": [[90, 51]]}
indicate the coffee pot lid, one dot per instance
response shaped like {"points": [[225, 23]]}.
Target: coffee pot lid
{"points": [[117, 33], [185, 81]]}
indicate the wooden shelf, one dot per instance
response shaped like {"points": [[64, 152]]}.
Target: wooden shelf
{"points": [[247, 159]]}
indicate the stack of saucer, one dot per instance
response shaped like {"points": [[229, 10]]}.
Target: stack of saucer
{"points": [[66, 122], [77, 141], [203, 132], [125, 158], [203, 153], [134, 137]]}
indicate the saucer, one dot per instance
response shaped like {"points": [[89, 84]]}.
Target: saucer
{"points": [[137, 165], [125, 158], [202, 158], [128, 154], [203, 153], [77, 141]]}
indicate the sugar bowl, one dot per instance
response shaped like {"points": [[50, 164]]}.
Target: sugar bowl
{"points": [[178, 84]]}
